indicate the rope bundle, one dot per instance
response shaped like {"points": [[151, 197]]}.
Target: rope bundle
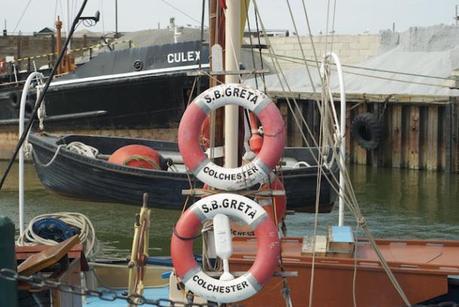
{"points": [[77, 220]]}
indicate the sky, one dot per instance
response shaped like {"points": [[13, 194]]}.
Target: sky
{"points": [[351, 17]]}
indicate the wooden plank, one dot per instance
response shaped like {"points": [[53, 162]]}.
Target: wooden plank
{"points": [[360, 153], [423, 128], [50, 256], [297, 139], [348, 137], [309, 116], [441, 137], [386, 158], [283, 108], [448, 134], [413, 137], [431, 157], [372, 155], [455, 137], [396, 135]]}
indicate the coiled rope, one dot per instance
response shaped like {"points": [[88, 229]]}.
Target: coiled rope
{"points": [[80, 221], [76, 147]]}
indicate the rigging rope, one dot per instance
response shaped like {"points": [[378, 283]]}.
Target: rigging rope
{"points": [[180, 11], [352, 204], [292, 60], [300, 45], [22, 16]]}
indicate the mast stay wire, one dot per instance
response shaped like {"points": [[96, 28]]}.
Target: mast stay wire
{"points": [[181, 11], [259, 49], [326, 27], [279, 72], [22, 16], [353, 205], [300, 45], [333, 26], [252, 52], [292, 59]]}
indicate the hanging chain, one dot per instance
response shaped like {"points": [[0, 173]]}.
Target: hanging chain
{"points": [[37, 281]]}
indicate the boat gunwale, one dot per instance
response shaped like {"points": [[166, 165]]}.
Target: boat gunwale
{"points": [[104, 165], [51, 143]]}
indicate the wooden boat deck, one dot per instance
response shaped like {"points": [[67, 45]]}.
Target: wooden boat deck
{"points": [[421, 267], [440, 256]]}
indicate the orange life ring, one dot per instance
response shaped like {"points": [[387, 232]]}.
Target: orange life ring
{"points": [[191, 274], [249, 174]]}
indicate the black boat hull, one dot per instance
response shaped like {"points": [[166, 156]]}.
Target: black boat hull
{"points": [[93, 179], [111, 92]]}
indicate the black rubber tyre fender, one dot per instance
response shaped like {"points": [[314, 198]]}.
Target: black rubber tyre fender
{"points": [[14, 99], [366, 130]]}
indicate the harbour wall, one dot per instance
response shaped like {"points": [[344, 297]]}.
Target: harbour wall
{"points": [[416, 134]]}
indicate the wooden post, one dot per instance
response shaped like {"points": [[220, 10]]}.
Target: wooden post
{"points": [[348, 136], [309, 116], [360, 153], [297, 139], [455, 136], [413, 137], [396, 136], [431, 140], [18, 52], [448, 135], [377, 154]]}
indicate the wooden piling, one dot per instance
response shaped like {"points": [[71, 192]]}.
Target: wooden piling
{"points": [[360, 154], [348, 135], [431, 140], [448, 135], [413, 137], [455, 136]]}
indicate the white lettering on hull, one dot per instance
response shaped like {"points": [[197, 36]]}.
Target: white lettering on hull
{"points": [[183, 57]]}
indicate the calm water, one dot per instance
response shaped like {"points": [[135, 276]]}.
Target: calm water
{"points": [[397, 204]]}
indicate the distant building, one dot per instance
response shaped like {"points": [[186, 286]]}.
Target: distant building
{"points": [[44, 32]]}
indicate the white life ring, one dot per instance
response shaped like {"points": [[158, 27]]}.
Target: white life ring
{"points": [[242, 287], [231, 179]]}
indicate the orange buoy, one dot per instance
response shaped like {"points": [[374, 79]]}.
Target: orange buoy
{"points": [[256, 143], [136, 156]]}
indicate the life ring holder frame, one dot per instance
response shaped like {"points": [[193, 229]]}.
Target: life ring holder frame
{"points": [[246, 175], [191, 274]]}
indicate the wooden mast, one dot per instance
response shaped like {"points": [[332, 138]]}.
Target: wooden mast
{"points": [[216, 36], [232, 56], [68, 62]]}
